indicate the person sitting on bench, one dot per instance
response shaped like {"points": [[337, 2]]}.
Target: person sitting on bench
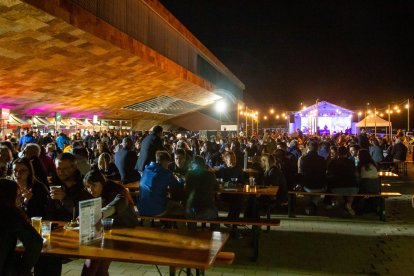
{"points": [[341, 176], [201, 187], [156, 181], [313, 170]]}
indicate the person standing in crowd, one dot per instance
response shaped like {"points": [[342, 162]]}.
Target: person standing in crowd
{"points": [[62, 141], [363, 140], [149, 146], [125, 159], [155, 183], [17, 227], [118, 205], [353, 151], [28, 138], [313, 169]]}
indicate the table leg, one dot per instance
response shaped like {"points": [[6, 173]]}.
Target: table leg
{"points": [[291, 205], [188, 271], [382, 209], [172, 270], [255, 237], [199, 272]]}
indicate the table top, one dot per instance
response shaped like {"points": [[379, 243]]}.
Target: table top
{"points": [[387, 174], [132, 185], [251, 190], [176, 248]]}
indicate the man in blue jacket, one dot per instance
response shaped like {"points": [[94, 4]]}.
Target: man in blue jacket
{"points": [[155, 184]]}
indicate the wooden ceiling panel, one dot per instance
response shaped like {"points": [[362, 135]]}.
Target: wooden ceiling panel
{"points": [[48, 65]]}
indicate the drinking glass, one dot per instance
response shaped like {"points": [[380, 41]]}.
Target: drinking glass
{"points": [[46, 229], [107, 225], [37, 224]]}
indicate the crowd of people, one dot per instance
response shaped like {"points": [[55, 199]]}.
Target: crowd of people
{"points": [[48, 175]]}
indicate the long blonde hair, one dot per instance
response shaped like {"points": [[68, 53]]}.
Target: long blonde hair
{"points": [[103, 161], [267, 162]]}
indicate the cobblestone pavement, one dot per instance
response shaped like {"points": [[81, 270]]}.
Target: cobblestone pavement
{"points": [[320, 245]]}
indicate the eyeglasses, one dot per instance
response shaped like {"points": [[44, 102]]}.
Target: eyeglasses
{"points": [[20, 171]]}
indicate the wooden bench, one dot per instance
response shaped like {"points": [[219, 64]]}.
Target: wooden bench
{"points": [[382, 196], [255, 223]]}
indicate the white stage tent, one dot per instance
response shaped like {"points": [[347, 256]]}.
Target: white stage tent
{"points": [[372, 122]]}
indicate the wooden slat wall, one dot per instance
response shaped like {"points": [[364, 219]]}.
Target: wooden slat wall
{"points": [[138, 20]]}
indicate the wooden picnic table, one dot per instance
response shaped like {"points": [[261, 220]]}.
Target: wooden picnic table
{"points": [[251, 190], [387, 174], [169, 247]]}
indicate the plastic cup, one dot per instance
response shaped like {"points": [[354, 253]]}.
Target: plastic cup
{"points": [[107, 225], [37, 224], [46, 229]]}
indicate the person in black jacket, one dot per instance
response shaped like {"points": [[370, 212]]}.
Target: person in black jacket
{"points": [[15, 225], [125, 160], [341, 176], [200, 193], [149, 146], [33, 195], [313, 171]]}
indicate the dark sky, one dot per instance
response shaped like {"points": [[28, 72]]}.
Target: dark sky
{"points": [[286, 52]]}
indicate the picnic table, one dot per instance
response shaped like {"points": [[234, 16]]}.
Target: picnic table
{"points": [[169, 247]]}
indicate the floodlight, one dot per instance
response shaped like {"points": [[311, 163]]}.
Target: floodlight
{"points": [[221, 106]]}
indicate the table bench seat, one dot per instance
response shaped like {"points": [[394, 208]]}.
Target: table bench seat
{"points": [[382, 196]]}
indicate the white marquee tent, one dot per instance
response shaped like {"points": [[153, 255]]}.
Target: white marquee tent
{"points": [[372, 122]]}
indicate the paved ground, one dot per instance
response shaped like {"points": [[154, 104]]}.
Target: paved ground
{"points": [[321, 245]]}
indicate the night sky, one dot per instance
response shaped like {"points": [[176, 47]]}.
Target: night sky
{"points": [[286, 52]]}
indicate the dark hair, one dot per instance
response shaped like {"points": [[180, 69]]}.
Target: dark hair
{"points": [[81, 152], [110, 189], [313, 145], [199, 162], [180, 152], [94, 176], [157, 129], [364, 159], [162, 155], [342, 150], [66, 156], [7, 144], [26, 162], [8, 193]]}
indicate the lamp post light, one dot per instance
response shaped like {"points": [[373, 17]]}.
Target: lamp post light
{"points": [[407, 106], [221, 107]]}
